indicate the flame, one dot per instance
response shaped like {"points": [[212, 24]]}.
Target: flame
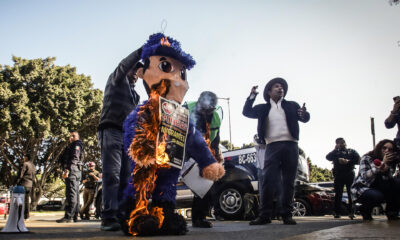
{"points": [[147, 156], [216, 155], [164, 42]]}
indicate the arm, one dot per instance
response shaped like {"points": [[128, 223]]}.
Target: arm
{"points": [[124, 66], [393, 118], [354, 158], [302, 114], [331, 156], [197, 148], [21, 173], [367, 169]]}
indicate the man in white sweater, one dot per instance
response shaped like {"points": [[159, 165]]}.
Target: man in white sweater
{"points": [[278, 128]]}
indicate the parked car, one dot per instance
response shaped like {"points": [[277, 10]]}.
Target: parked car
{"points": [[312, 200], [240, 178], [51, 205]]}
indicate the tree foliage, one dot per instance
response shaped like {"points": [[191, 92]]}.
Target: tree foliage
{"points": [[40, 103], [318, 174], [228, 145]]}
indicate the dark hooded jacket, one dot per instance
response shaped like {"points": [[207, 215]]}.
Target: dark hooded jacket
{"points": [[72, 155], [120, 98]]}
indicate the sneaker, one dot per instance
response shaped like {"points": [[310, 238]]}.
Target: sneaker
{"points": [[260, 221], [202, 223], [64, 220], [289, 221], [110, 224]]}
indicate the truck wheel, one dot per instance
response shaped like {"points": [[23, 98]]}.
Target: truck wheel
{"points": [[230, 200]]}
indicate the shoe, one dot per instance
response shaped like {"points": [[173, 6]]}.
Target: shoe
{"points": [[64, 220], [75, 219], [110, 224], [367, 216], [260, 221], [202, 223], [288, 221], [336, 216], [393, 217]]}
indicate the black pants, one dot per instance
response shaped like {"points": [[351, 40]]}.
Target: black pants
{"points": [[201, 206], [28, 191], [339, 182], [280, 168], [72, 194]]}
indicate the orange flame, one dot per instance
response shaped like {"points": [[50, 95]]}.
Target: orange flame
{"points": [[164, 42], [147, 156], [208, 141]]}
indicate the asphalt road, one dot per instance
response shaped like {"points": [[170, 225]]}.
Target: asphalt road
{"points": [[43, 226]]}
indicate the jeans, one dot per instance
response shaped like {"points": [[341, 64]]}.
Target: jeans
{"points": [[280, 168], [116, 171]]}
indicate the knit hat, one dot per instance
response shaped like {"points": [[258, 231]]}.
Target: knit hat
{"points": [[159, 44]]}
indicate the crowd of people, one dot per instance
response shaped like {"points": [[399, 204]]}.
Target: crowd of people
{"points": [[276, 142]]}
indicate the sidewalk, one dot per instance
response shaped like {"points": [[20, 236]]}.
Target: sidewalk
{"points": [[43, 226]]}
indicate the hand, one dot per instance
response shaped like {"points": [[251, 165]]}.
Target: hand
{"points": [[65, 174], [343, 160], [254, 90], [396, 106], [84, 181], [91, 174], [389, 157], [301, 111], [383, 167]]}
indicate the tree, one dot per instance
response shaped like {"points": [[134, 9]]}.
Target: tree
{"points": [[40, 103], [318, 174], [228, 145]]}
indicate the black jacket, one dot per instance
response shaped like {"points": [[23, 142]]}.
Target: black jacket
{"points": [[120, 98], [343, 169], [261, 112], [72, 155]]}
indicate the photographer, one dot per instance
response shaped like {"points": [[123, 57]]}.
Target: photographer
{"points": [[343, 160], [90, 182], [375, 184], [394, 118]]}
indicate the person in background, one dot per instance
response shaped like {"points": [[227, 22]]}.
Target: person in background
{"points": [[205, 117], [394, 119], [343, 159], [25, 178], [72, 164], [90, 182], [375, 184], [277, 127]]}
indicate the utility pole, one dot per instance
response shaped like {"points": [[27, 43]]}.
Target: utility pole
{"points": [[373, 131], [229, 116]]}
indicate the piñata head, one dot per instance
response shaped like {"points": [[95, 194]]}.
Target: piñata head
{"points": [[164, 60]]}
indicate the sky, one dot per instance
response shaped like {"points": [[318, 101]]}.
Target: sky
{"points": [[339, 57]]}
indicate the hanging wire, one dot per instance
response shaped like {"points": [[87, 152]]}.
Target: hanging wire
{"points": [[164, 24]]}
